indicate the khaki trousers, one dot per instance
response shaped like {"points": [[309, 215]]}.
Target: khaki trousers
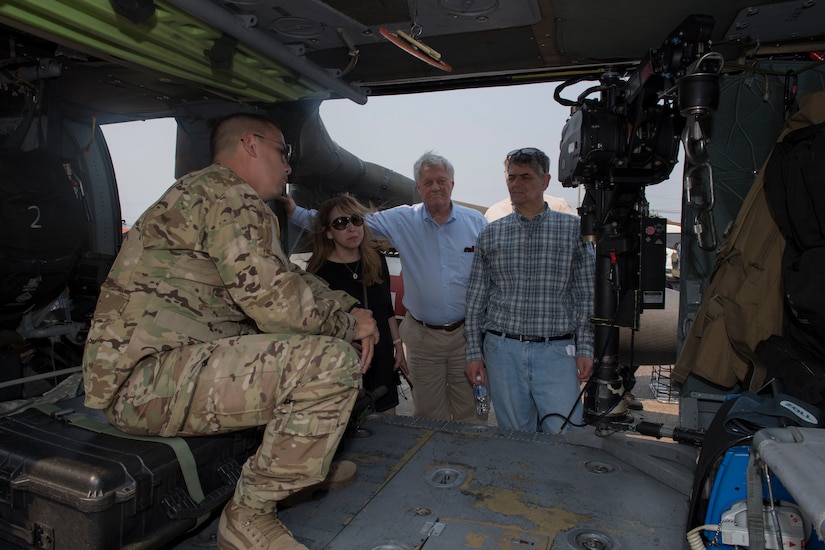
{"points": [[436, 359]]}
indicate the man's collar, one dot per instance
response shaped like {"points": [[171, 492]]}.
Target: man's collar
{"points": [[450, 217], [540, 215]]}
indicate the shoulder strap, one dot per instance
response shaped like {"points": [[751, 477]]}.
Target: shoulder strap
{"points": [[755, 519]]}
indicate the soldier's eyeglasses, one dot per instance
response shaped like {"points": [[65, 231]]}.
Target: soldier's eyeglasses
{"points": [[343, 222], [285, 148]]}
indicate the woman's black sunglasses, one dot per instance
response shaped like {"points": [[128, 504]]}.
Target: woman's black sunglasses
{"points": [[343, 222]]}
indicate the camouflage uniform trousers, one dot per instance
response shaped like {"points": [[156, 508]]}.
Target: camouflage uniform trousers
{"points": [[302, 388]]}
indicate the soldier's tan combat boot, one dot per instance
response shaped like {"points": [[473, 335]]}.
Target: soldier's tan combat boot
{"points": [[243, 528], [341, 473]]}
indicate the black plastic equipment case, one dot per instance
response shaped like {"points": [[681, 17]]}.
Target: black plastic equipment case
{"points": [[63, 487]]}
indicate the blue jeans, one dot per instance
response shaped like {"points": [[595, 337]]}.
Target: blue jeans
{"points": [[531, 380]]}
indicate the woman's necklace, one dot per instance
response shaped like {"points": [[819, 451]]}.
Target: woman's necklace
{"points": [[355, 275]]}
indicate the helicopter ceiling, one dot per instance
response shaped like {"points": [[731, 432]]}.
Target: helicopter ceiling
{"points": [[143, 58]]}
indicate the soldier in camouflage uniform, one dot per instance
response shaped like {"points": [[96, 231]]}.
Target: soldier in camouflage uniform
{"points": [[203, 326]]}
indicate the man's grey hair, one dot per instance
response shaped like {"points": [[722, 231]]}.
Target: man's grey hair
{"points": [[432, 159], [536, 159]]}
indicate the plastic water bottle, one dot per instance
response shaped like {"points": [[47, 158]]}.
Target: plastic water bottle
{"points": [[482, 397]]}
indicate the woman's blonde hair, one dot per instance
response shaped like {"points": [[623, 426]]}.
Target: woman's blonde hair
{"points": [[323, 247]]}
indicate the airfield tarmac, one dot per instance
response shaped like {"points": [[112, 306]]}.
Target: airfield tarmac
{"points": [[654, 410]]}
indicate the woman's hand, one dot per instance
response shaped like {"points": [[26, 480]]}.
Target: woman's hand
{"points": [[401, 359]]}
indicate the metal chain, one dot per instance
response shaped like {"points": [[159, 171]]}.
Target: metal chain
{"points": [[698, 182], [415, 28]]}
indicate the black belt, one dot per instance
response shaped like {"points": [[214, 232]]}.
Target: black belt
{"points": [[523, 338], [449, 327]]}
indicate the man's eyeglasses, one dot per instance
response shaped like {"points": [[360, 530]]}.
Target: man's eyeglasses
{"points": [[286, 150], [527, 155], [343, 222]]}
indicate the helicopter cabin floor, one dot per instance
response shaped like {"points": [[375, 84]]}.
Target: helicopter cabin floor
{"points": [[433, 485]]}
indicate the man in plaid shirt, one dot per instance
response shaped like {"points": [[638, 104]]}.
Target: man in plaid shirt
{"points": [[529, 302]]}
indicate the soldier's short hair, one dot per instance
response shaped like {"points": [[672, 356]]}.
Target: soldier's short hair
{"points": [[231, 128]]}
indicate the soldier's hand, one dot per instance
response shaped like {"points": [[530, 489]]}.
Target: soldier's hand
{"points": [[366, 324], [367, 350], [367, 332]]}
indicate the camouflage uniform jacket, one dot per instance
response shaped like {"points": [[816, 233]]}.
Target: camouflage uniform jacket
{"points": [[201, 264]]}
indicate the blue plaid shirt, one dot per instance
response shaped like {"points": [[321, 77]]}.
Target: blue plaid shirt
{"points": [[533, 277]]}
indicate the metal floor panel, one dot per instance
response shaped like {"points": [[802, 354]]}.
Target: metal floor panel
{"points": [[434, 485]]}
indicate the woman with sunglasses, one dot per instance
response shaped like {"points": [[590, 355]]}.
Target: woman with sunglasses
{"points": [[345, 256]]}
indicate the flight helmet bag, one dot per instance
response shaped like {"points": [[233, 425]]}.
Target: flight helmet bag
{"points": [[795, 185]]}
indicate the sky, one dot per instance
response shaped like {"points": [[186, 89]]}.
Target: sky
{"points": [[474, 129], [143, 154]]}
